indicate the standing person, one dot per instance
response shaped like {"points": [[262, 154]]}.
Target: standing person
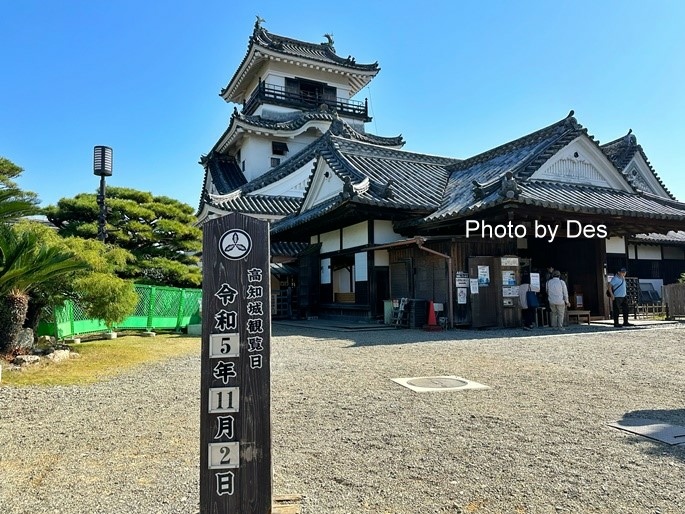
{"points": [[618, 292], [527, 310], [557, 294]]}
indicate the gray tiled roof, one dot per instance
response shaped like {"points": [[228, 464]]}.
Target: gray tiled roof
{"points": [[674, 237], [598, 200], [622, 150], [415, 180], [259, 204], [379, 177], [295, 219], [327, 147], [225, 173], [287, 249], [296, 120], [319, 52], [522, 157], [227, 176], [322, 52], [475, 184], [575, 198]]}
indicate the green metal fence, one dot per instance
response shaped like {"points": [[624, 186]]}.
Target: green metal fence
{"points": [[167, 308]]}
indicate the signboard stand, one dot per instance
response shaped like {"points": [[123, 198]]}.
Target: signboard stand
{"points": [[235, 417]]}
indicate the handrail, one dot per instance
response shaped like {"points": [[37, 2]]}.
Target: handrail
{"points": [[281, 95]]}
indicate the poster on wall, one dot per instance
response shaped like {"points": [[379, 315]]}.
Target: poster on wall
{"points": [[474, 285], [462, 279], [509, 262], [535, 282], [508, 278], [461, 295], [483, 276], [510, 292]]}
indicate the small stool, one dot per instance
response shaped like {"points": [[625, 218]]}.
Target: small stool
{"points": [[578, 315], [541, 317]]}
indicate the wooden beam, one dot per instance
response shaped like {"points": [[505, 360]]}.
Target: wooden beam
{"points": [[287, 504]]}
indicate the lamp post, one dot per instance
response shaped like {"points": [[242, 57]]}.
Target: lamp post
{"points": [[102, 166]]}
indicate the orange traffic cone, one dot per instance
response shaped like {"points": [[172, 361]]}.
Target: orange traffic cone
{"points": [[432, 322], [431, 314]]}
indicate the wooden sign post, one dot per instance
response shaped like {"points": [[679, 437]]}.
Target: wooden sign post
{"points": [[235, 418]]}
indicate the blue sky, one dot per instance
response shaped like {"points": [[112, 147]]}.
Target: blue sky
{"points": [[457, 78]]}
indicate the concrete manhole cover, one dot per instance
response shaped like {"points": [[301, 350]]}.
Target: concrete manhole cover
{"points": [[437, 382], [441, 383]]}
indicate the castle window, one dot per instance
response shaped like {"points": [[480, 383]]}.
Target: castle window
{"points": [[275, 161], [278, 148]]}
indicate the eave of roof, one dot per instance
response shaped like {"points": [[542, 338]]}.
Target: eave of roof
{"points": [[258, 204], [296, 122], [676, 237], [568, 198]]}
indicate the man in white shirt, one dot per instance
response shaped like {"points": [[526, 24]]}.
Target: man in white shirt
{"points": [[557, 295]]}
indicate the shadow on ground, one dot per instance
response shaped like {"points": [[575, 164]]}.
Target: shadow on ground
{"points": [[651, 446], [367, 334]]}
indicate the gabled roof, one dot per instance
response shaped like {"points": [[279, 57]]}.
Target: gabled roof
{"points": [[376, 178], [503, 175], [622, 150], [388, 176], [264, 45], [239, 198], [471, 178]]}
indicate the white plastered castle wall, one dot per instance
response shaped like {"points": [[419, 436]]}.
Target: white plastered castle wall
{"points": [[384, 233], [615, 245], [355, 235]]}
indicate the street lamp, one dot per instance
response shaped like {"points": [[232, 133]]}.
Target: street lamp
{"points": [[102, 166]]}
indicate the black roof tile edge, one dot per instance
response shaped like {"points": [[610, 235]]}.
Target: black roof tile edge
{"points": [[305, 117], [569, 123], [275, 42], [631, 148], [297, 219]]}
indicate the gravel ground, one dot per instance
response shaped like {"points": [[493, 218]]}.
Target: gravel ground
{"points": [[352, 441]]}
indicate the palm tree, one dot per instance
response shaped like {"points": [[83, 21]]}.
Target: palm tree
{"points": [[25, 263], [14, 205]]}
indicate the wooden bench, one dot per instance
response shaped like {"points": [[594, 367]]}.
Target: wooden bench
{"points": [[578, 315], [344, 297]]}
